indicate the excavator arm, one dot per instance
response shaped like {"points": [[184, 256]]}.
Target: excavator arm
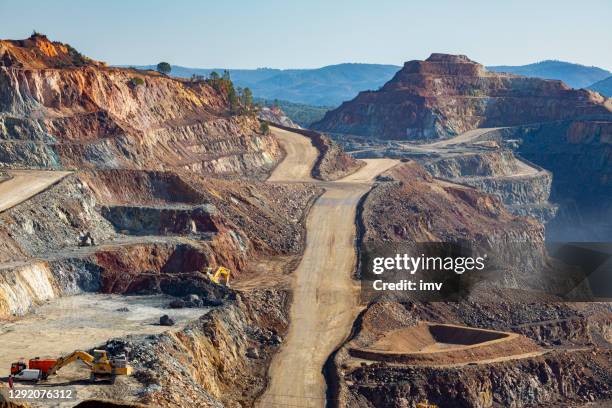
{"points": [[86, 358], [221, 276]]}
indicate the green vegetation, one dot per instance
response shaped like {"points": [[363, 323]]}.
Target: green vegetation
{"points": [[197, 78], [264, 128], [303, 115], [78, 59], [164, 68], [246, 97], [135, 81], [233, 99], [240, 101]]}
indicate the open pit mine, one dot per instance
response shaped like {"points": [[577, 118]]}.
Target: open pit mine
{"points": [[201, 257]]}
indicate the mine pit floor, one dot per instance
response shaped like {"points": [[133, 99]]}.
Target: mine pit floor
{"points": [[81, 322]]}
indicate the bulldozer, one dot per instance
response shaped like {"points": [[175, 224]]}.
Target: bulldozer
{"points": [[101, 367], [221, 275]]}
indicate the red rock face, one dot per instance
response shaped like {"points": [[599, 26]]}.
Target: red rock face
{"points": [[37, 52], [76, 112], [446, 95]]}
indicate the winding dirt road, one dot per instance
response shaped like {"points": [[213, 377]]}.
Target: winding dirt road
{"points": [[324, 293], [24, 184], [465, 137], [300, 156]]}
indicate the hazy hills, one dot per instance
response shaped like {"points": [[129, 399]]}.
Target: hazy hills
{"points": [[326, 86], [574, 75], [604, 86], [333, 84]]}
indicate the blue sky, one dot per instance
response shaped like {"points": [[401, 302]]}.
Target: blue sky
{"points": [[292, 34]]}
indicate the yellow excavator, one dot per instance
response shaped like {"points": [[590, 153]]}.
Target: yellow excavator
{"points": [[101, 367], [221, 276], [425, 404]]}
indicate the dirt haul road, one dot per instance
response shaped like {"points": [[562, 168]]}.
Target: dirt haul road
{"points": [[300, 156], [24, 184], [324, 293]]}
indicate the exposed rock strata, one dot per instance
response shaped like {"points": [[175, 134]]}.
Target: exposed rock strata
{"points": [[579, 155], [419, 209], [56, 115], [446, 95], [560, 379], [275, 115], [175, 227], [432, 210]]}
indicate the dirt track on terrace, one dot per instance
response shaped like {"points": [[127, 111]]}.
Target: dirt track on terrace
{"points": [[24, 184], [300, 156], [324, 294]]}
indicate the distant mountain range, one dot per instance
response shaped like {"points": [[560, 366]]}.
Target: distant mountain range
{"points": [[574, 75], [327, 86], [333, 84], [604, 87]]}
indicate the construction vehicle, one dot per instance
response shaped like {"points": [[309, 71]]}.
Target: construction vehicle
{"points": [[27, 375], [20, 372], [221, 275], [101, 367], [44, 365], [18, 367], [425, 404]]}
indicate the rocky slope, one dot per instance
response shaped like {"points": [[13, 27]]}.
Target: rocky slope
{"points": [[157, 232], [490, 165], [573, 371], [446, 95], [579, 156], [165, 186], [60, 109], [218, 361], [572, 163], [152, 230], [572, 366], [275, 115], [516, 123], [559, 379], [416, 207]]}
